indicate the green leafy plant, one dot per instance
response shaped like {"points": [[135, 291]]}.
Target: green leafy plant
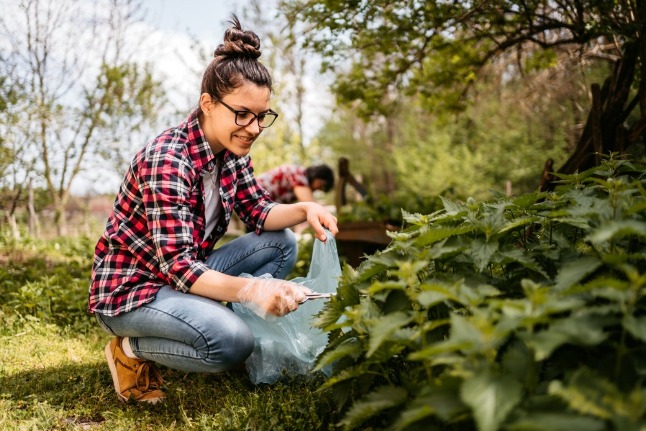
{"points": [[518, 313]]}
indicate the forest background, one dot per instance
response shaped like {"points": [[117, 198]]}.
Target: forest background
{"points": [[424, 99]]}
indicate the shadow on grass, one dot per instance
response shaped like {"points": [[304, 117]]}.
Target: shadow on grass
{"points": [[83, 394]]}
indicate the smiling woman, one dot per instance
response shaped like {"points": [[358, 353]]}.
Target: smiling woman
{"points": [[157, 282]]}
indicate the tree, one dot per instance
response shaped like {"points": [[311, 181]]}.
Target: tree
{"points": [[437, 49], [12, 102], [290, 64], [86, 95]]}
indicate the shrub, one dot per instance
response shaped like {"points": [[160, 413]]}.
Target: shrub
{"points": [[522, 313]]}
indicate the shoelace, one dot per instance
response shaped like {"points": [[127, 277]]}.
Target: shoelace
{"points": [[148, 377]]}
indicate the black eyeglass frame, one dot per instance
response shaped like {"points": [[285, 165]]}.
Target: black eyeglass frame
{"points": [[254, 118]]}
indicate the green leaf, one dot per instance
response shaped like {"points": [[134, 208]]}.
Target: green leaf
{"points": [[491, 397], [331, 316], [372, 266], [380, 286], [592, 394], [556, 422], [433, 294], [348, 348], [383, 398], [574, 271], [518, 223], [518, 362], [440, 398], [439, 233], [518, 256], [482, 251], [348, 373], [636, 326], [453, 208], [384, 327], [583, 331], [617, 229], [441, 353], [528, 199]]}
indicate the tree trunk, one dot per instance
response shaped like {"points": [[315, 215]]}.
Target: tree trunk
{"points": [[604, 131], [34, 225]]}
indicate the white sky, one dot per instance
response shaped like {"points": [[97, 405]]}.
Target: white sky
{"points": [[205, 18]]}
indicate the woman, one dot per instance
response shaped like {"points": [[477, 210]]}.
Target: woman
{"points": [[157, 284]]}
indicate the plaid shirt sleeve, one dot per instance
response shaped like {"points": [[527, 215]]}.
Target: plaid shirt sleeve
{"points": [[252, 203], [166, 184]]}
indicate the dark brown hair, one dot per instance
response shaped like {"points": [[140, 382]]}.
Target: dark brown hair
{"points": [[235, 62], [322, 172]]}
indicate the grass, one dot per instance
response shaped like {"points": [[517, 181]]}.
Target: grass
{"points": [[53, 374]]}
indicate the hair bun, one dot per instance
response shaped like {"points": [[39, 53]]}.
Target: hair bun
{"points": [[238, 43]]}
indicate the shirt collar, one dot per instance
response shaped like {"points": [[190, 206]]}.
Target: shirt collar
{"points": [[198, 147]]}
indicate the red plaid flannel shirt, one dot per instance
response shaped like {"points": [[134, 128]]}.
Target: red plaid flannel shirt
{"points": [[280, 182], [155, 233]]}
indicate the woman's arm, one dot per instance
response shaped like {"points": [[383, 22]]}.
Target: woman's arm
{"points": [[262, 295], [218, 286], [287, 215], [303, 194]]}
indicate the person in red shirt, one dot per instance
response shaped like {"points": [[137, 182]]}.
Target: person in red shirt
{"points": [[158, 285], [293, 183]]}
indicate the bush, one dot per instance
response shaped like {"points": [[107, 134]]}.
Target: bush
{"points": [[46, 282], [522, 313]]}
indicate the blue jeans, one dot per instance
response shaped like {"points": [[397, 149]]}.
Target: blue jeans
{"points": [[192, 333]]}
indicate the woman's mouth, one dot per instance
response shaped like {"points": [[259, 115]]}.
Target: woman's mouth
{"points": [[246, 140]]}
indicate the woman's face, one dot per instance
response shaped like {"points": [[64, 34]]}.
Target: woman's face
{"points": [[219, 122]]}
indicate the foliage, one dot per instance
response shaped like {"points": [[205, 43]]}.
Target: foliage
{"points": [[491, 143], [437, 47], [82, 81], [518, 313], [46, 282], [384, 53]]}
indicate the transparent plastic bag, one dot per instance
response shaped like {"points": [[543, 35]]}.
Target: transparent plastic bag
{"points": [[289, 345]]}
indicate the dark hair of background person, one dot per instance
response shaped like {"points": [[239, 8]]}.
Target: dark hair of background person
{"points": [[323, 172], [235, 62]]}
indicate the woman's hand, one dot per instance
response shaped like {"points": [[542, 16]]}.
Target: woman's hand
{"points": [[287, 215], [319, 217], [272, 296]]}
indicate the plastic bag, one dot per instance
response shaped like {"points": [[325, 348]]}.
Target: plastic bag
{"points": [[289, 345]]}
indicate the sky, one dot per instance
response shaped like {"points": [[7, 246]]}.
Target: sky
{"points": [[205, 18]]}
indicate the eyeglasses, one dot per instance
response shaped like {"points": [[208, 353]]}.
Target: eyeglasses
{"points": [[244, 118]]}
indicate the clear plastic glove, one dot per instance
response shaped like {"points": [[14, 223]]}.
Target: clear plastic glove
{"points": [[272, 296]]}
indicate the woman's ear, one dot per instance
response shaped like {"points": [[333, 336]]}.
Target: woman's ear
{"points": [[206, 103]]}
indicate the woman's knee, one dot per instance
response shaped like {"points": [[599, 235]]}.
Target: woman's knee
{"points": [[232, 346]]}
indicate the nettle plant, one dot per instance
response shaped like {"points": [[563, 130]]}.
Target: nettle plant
{"points": [[518, 313]]}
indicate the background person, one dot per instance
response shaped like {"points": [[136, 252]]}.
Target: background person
{"points": [[294, 183], [157, 282]]}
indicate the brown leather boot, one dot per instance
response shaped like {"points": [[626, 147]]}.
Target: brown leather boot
{"points": [[133, 379]]}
